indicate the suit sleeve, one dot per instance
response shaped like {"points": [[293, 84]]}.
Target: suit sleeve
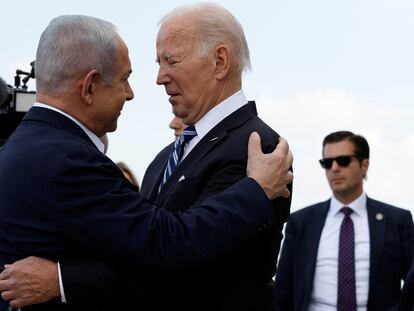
{"points": [[407, 297], [93, 283], [284, 276], [408, 242], [219, 212], [119, 225]]}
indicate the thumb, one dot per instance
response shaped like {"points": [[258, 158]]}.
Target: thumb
{"points": [[254, 144]]}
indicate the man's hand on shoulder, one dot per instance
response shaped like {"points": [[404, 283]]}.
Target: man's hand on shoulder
{"points": [[270, 170], [29, 281]]}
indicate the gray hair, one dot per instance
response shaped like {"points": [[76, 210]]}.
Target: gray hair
{"points": [[216, 25], [72, 45]]}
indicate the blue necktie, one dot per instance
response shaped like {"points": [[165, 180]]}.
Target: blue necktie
{"points": [[188, 134], [346, 264]]}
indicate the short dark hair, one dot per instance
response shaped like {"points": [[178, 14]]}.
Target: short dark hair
{"points": [[359, 142]]}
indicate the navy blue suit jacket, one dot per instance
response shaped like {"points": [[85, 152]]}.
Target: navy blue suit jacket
{"points": [[407, 294], [391, 253], [242, 278], [62, 198], [239, 280]]}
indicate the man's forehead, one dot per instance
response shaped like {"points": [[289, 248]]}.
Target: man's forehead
{"points": [[343, 146], [180, 29]]}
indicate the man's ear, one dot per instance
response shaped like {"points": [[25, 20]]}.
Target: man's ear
{"points": [[89, 85], [222, 61], [364, 167]]}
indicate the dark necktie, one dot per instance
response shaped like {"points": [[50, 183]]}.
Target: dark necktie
{"points": [[187, 134], [346, 264]]}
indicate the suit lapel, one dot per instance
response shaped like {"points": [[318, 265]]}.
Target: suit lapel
{"points": [[376, 221], [315, 224], [206, 145], [154, 173]]}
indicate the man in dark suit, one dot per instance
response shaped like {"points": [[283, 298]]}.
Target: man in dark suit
{"points": [[201, 71], [202, 52], [324, 264], [62, 198]]}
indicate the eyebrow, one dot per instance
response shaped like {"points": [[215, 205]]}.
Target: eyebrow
{"points": [[166, 56]]}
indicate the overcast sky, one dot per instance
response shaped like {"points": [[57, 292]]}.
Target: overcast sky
{"points": [[318, 66]]}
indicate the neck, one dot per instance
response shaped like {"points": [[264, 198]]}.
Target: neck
{"points": [[67, 104], [227, 90], [346, 198]]}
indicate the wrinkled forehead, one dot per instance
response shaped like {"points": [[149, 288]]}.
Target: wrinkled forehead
{"points": [[180, 28]]}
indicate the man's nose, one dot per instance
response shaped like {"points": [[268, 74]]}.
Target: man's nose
{"points": [[129, 92], [335, 166], [162, 77]]}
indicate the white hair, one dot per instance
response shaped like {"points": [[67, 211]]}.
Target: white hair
{"points": [[216, 25], [72, 45]]}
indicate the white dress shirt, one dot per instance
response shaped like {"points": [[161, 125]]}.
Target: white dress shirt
{"points": [[97, 142], [214, 117], [325, 282]]}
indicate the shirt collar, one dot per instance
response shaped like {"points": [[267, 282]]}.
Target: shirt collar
{"points": [[358, 206], [219, 112], [95, 139]]}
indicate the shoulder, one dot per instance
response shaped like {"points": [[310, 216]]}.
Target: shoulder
{"points": [[258, 125], [268, 136], [387, 208], [162, 156], [396, 216], [303, 213]]}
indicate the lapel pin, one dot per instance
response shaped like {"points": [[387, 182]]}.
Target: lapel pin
{"points": [[379, 216], [181, 178], [213, 139]]}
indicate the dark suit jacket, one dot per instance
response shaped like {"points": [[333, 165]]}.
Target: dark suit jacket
{"points": [[391, 253], [61, 198], [242, 278], [407, 294]]}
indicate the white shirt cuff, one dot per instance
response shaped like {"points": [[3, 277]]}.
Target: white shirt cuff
{"points": [[62, 291]]}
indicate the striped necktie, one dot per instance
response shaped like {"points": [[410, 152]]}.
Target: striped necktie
{"points": [[188, 134]]}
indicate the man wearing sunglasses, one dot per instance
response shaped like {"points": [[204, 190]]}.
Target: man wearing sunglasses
{"points": [[347, 253]]}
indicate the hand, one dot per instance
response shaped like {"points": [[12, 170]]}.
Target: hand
{"points": [[270, 170], [29, 281]]}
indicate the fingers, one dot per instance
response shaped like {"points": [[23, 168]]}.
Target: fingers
{"points": [[271, 170], [4, 275], [18, 303], [4, 285], [282, 146], [285, 193], [16, 296], [7, 295], [282, 149], [254, 145], [290, 158]]}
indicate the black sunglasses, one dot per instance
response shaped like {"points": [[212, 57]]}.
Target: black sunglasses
{"points": [[343, 161]]}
